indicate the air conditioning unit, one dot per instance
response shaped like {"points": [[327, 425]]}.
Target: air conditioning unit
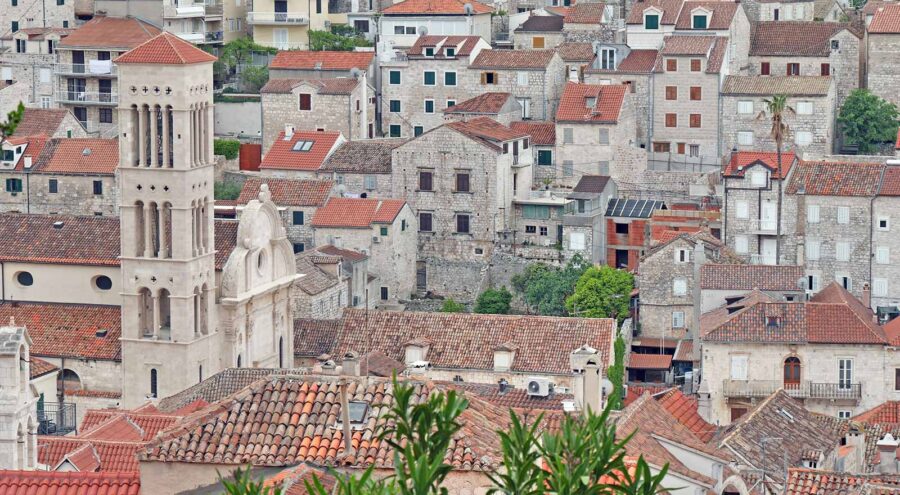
{"points": [[539, 387], [376, 239]]}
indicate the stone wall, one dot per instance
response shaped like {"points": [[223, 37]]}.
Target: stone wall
{"points": [[884, 66], [524, 40], [239, 119], [706, 136], [542, 87], [326, 305], [34, 74], [74, 196], [658, 300], [886, 211], [639, 95], [356, 183]]}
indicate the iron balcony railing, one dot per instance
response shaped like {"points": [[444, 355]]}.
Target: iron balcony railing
{"points": [[82, 97], [56, 418], [88, 69], [802, 390]]}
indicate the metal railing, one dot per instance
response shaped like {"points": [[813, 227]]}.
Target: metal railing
{"points": [[76, 97], [765, 226], [802, 390], [56, 418], [672, 162], [762, 259], [215, 36], [85, 69], [295, 18]]}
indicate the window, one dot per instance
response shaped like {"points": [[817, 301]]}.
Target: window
{"points": [[545, 157], [525, 144], [694, 150], [682, 255], [671, 120], [835, 44], [812, 282], [103, 282], [536, 212], [24, 279], [812, 214], [696, 65], [451, 52], [603, 137], [651, 21], [522, 78], [677, 319], [429, 106], [537, 42], [530, 229], [53, 186], [302, 146], [305, 101], [884, 223], [449, 78], [844, 280], [804, 108], [842, 251], [98, 187], [45, 103], [153, 389], [739, 367], [695, 120], [825, 69], [603, 167], [370, 182], [430, 78], [696, 93], [394, 106], [383, 231], [661, 147], [742, 209], [299, 247], [883, 255], [845, 373], [462, 223], [297, 218], [745, 106], [418, 130], [745, 138], [764, 69], [14, 185], [15, 3], [576, 240], [671, 65], [843, 214], [462, 182], [543, 231], [812, 250], [488, 78], [394, 130], [879, 287], [15, 26], [741, 244], [699, 21], [394, 77], [426, 180], [425, 222], [568, 135], [451, 103], [105, 115], [897, 379], [20, 46], [429, 52], [608, 58], [671, 93], [384, 293], [803, 138], [793, 69], [622, 228], [679, 287]]}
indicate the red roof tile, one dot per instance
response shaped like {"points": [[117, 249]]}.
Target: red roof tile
{"points": [[80, 240], [436, 7], [802, 481], [486, 130], [587, 103], [110, 32], [463, 45], [742, 159], [80, 156], [41, 121], [96, 394], [322, 60], [282, 155], [118, 428], [669, 8], [485, 103], [69, 330], [722, 14], [585, 13], [714, 276], [165, 49], [885, 413], [892, 330], [331, 86], [836, 178], [513, 59], [114, 456], [84, 458], [890, 183], [683, 44], [542, 133], [649, 361], [288, 192], [357, 212], [39, 367], [639, 61], [636, 390], [348, 254], [34, 148], [575, 52], [105, 424], [55, 483], [886, 20], [793, 38], [684, 410]]}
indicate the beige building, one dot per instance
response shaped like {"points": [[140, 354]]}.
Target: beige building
{"points": [[536, 78], [539, 31], [402, 23], [361, 167], [30, 60], [285, 24]]}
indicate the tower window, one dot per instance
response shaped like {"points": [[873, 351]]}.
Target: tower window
{"points": [[25, 279], [103, 282], [153, 390]]}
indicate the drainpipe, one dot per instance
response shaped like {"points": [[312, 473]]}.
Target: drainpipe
{"points": [[872, 227], [2, 282]]}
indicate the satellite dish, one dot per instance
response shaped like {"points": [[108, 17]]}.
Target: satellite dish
{"points": [[468, 9], [801, 282], [606, 387], [423, 30], [355, 73], [341, 189]]}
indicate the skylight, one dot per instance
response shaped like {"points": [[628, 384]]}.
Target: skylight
{"points": [[303, 145], [357, 411]]}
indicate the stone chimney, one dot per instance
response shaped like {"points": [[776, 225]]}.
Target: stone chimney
{"points": [[867, 296], [350, 364], [329, 367], [854, 462], [887, 454]]}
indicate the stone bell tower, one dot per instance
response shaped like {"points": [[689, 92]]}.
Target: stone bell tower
{"points": [[166, 161]]}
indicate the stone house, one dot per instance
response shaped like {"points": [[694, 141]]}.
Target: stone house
{"points": [[535, 77], [587, 22], [795, 48], [538, 32], [777, 10], [723, 19], [543, 146], [811, 124], [305, 64], [87, 80], [355, 267], [338, 104], [49, 122], [721, 283], [361, 168], [752, 182], [584, 224], [401, 24], [299, 154], [885, 291], [883, 53], [537, 225], [321, 291], [23, 15], [501, 107], [431, 76], [649, 22], [595, 133], [297, 201], [577, 57], [30, 59], [462, 213], [628, 230], [383, 229], [686, 96]]}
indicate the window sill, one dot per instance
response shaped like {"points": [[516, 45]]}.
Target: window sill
{"points": [[424, 190], [463, 192]]}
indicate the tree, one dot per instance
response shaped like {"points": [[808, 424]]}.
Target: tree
{"points": [[867, 120], [341, 40], [545, 288], [602, 292], [616, 374], [777, 107], [13, 119], [254, 78], [451, 306], [493, 302]]}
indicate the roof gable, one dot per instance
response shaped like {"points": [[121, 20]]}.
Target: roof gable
{"points": [[110, 32], [591, 103], [322, 60], [290, 153], [165, 49]]}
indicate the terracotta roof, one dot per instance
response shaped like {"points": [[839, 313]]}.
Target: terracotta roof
{"points": [[684, 409], [322, 60], [803, 481], [114, 456], [282, 155], [486, 131], [683, 44], [541, 24], [226, 240], [885, 413], [596, 103], [288, 192], [576, 52], [357, 212], [585, 13], [165, 49], [331, 86], [649, 361], [776, 85], [639, 61], [314, 280], [84, 458], [669, 8], [463, 45], [348, 254], [722, 14], [836, 178], [890, 183], [485, 103], [110, 32], [793, 38], [512, 397], [513, 59], [460, 340], [107, 424], [715, 276], [592, 184], [368, 156], [886, 20], [557, 10], [57, 483], [80, 240], [39, 367], [34, 148], [96, 394], [69, 330], [292, 481], [80, 156], [435, 7], [217, 387], [685, 351], [38, 33], [298, 427], [542, 133], [41, 121], [740, 160], [376, 363]]}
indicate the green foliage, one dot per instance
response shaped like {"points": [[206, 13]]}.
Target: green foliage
{"points": [[493, 302], [243, 484], [522, 474], [226, 190], [229, 148], [12, 121], [602, 292], [616, 374], [451, 306], [241, 50], [253, 78], [868, 120], [857, 4], [342, 39], [546, 288]]}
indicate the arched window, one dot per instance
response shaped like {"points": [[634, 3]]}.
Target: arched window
{"points": [[239, 361], [153, 389], [792, 373], [281, 352], [70, 380]]}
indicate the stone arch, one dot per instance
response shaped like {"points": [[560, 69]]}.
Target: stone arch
{"points": [[145, 312], [792, 370], [164, 302], [154, 382], [204, 309], [734, 485], [140, 238], [70, 379]]}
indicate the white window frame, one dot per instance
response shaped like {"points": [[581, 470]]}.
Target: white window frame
{"points": [[883, 255], [608, 59], [840, 277], [887, 223], [845, 373], [758, 178], [682, 255], [879, 287], [742, 209], [842, 251], [679, 287], [425, 105], [843, 215], [742, 107], [455, 79], [745, 138], [677, 319], [805, 108], [522, 78], [426, 72], [812, 213], [741, 244], [568, 135], [813, 250], [803, 138], [739, 367]]}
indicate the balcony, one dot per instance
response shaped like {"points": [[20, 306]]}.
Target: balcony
{"points": [[214, 10], [762, 259], [87, 98], [278, 18], [55, 418], [763, 226], [94, 68], [214, 36], [802, 390], [184, 11]]}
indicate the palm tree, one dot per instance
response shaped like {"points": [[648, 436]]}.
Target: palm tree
{"points": [[776, 109]]}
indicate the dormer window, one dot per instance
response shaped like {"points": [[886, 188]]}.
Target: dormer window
{"points": [[416, 351], [451, 52], [773, 321], [699, 19], [590, 102], [429, 52], [758, 178], [503, 356], [651, 20], [607, 59]]}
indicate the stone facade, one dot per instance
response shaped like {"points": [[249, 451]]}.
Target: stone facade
{"points": [[525, 40], [92, 98], [885, 283], [22, 15], [639, 85], [786, 11], [18, 411], [33, 68], [883, 66], [540, 88]]}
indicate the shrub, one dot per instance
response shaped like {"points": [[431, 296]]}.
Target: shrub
{"points": [[226, 190], [493, 302], [229, 148]]}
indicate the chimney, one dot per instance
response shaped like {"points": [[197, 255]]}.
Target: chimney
{"points": [[329, 368], [27, 162], [504, 385], [288, 131], [345, 417], [867, 296], [592, 389], [887, 454], [350, 364]]}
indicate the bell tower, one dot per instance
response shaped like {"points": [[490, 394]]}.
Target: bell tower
{"points": [[169, 338]]}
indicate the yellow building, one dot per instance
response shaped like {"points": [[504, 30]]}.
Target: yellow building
{"points": [[285, 24]]}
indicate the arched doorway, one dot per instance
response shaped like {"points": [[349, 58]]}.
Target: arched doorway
{"points": [[792, 373]]}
